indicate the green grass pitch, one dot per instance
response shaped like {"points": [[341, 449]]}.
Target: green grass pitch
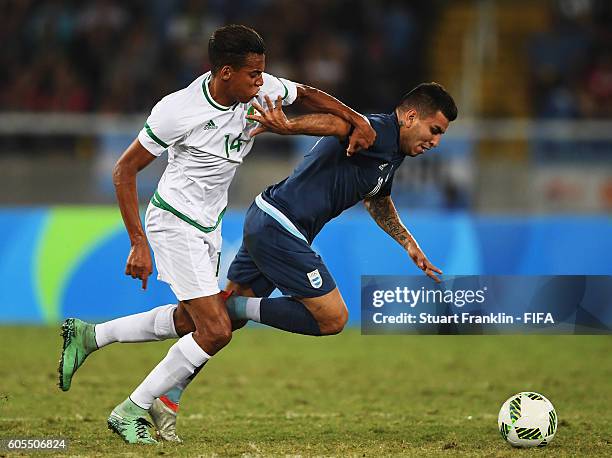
{"points": [[272, 393]]}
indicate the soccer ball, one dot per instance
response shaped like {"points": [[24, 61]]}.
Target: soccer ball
{"points": [[527, 419]]}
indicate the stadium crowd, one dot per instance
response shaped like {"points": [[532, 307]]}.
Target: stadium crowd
{"points": [[113, 56], [571, 60], [110, 56]]}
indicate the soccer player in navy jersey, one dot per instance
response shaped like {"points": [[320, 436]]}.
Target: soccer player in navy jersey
{"points": [[284, 219]]}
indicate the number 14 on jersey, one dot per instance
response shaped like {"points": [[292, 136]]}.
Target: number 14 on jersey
{"points": [[235, 144]]}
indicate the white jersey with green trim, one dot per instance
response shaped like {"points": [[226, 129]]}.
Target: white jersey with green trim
{"points": [[205, 141]]}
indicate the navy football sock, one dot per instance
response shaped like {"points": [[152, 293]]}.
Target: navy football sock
{"points": [[289, 315]]}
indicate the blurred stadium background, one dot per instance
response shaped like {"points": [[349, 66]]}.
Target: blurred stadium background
{"points": [[522, 183]]}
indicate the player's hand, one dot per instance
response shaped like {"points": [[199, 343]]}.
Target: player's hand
{"points": [[271, 120], [363, 136], [139, 264], [421, 261]]}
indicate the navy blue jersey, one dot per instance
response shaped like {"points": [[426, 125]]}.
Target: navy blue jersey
{"points": [[327, 182]]}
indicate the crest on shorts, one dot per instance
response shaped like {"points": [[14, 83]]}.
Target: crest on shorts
{"points": [[315, 278]]}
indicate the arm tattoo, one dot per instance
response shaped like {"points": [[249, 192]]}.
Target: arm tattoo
{"points": [[384, 213]]}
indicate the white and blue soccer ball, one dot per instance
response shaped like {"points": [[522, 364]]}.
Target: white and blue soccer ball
{"points": [[527, 419]]}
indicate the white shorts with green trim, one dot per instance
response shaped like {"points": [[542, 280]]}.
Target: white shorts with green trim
{"points": [[186, 258]]}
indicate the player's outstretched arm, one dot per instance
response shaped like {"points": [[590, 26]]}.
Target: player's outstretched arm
{"points": [[318, 101], [273, 119], [133, 160], [384, 213]]}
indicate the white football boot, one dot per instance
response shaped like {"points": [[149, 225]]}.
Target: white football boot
{"points": [[164, 420]]}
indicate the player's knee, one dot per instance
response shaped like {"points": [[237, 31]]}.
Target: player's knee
{"points": [[213, 335], [334, 321], [219, 336]]}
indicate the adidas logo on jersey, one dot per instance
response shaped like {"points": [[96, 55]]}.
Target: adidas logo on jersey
{"points": [[210, 125], [382, 166]]}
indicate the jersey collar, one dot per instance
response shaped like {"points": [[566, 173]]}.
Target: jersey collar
{"points": [[208, 95]]}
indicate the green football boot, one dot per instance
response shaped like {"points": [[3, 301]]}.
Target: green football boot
{"points": [[127, 420], [79, 341]]}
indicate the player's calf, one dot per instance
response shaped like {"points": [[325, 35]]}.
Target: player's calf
{"points": [[152, 325], [333, 322], [324, 315], [329, 311]]}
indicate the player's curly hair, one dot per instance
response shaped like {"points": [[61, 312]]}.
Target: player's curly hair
{"points": [[230, 45], [429, 98]]}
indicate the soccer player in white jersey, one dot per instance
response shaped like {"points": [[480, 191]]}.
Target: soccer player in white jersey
{"points": [[206, 132]]}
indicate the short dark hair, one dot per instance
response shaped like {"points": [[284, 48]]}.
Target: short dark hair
{"points": [[230, 45], [429, 98]]}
